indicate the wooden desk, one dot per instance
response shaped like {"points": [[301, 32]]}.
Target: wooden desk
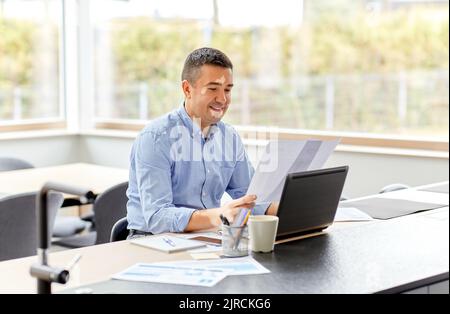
{"points": [[96, 178], [97, 263]]}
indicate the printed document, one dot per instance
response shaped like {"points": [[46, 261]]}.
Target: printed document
{"points": [[173, 274], [283, 157], [234, 266]]}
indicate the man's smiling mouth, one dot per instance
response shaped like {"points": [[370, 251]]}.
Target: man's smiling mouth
{"points": [[216, 108]]}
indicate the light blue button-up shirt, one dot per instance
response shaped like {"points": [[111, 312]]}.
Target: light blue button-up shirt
{"points": [[175, 171]]}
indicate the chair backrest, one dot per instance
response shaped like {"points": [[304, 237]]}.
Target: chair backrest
{"points": [[18, 223], [8, 164], [119, 231], [109, 207], [394, 187]]}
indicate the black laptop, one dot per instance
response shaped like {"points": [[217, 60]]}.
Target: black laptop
{"points": [[309, 201]]}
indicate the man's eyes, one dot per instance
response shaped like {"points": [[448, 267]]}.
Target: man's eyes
{"points": [[214, 89]]}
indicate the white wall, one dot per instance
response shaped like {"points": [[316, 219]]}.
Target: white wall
{"points": [[105, 150], [42, 151], [368, 172]]}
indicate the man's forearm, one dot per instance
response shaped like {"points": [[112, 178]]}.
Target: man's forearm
{"points": [[202, 220]]}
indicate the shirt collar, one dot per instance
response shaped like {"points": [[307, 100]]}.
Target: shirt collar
{"points": [[193, 128]]}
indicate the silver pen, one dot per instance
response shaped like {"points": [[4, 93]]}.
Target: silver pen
{"points": [[169, 242]]}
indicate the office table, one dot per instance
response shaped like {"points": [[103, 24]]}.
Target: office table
{"points": [[395, 255], [93, 177]]}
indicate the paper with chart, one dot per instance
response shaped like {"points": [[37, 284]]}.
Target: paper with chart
{"points": [[173, 274], [283, 157], [233, 266]]}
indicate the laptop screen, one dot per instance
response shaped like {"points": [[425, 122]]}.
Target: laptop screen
{"points": [[309, 201]]}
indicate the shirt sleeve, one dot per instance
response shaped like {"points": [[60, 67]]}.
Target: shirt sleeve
{"points": [[154, 180], [241, 178]]}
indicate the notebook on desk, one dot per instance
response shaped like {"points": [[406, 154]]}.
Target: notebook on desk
{"points": [[167, 243]]}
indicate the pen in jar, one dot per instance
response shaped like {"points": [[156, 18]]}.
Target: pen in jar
{"points": [[224, 220]]}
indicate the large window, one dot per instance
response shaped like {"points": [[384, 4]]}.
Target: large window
{"points": [[369, 67], [378, 66], [30, 71]]}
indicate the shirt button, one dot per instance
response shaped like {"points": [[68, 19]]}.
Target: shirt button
{"points": [[207, 170], [204, 194]]}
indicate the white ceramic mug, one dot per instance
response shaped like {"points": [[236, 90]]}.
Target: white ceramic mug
{"points": [[262, 231]]}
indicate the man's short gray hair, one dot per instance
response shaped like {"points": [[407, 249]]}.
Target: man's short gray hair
{"points": [[199, 57]]}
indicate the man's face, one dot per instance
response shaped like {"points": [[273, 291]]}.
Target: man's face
{"points": [[209, 97]]}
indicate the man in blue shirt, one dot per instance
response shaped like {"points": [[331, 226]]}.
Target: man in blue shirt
{"points": [[183, 162]]}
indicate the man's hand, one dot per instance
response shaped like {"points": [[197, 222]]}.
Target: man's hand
{"points": [[210, 218], [231, 209]]}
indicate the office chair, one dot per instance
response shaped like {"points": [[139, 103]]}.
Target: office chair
{"points": [[64, 226], [18, 220], [109, 207], [9, 164], [394, 187], [119, 231]]}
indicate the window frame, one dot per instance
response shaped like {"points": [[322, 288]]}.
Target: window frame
{"points": [[59, 122]]}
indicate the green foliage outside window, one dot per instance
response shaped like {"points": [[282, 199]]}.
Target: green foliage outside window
{"points": [[362, 55]]}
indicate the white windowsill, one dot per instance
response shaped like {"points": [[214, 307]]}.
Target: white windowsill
{"points": [[261, 143], [35, 134], [250, 142]]}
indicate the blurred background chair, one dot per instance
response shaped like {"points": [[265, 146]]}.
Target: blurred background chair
{"points": [[18, 223], [8, 164], [394, 187], [67, 226], [119, 231], [108, 207], [64, 226]]}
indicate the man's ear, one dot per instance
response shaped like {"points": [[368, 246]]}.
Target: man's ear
{"points": [[187, 88]]}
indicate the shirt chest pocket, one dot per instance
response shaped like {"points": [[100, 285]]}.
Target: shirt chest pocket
{"points": [[226, 172]]}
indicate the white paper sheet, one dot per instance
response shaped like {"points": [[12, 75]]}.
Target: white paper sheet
{"points": [[417, 196], [173, 274], [350, 214], [234, 266], [283, 157]]}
